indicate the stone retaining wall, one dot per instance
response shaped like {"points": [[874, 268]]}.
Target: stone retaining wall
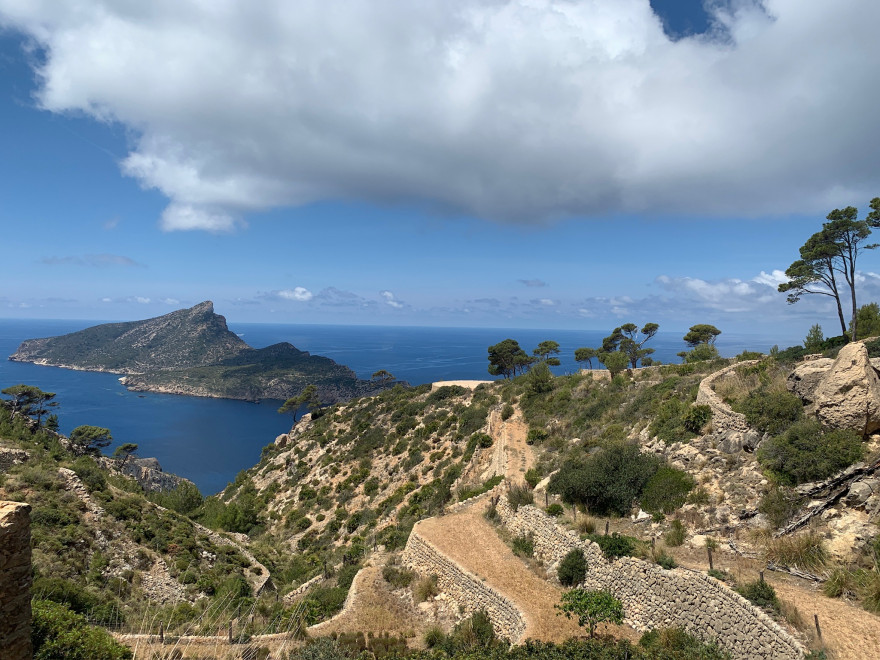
{"points": [[15, 581], [464, 587], [724, 418], [10, 457], [653, 597]]}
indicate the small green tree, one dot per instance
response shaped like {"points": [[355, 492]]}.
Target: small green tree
{"points": [[124, 451], [702, 333], [591, 608], [307, 396], [540, 379], [867, 321], [585, 355], [632, 345], [90, 439], [615, 362], [814, 339], [546, 351], [383, 377], [506, 358], [28, 400]]}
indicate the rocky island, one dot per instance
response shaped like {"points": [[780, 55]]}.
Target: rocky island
{"points": [[193, 352]]}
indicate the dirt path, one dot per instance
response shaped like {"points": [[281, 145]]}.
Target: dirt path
{"points": [[469, 539], [511, 455], [848, 631]]}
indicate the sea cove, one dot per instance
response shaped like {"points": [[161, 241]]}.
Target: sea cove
{"points": [[210, 440]]}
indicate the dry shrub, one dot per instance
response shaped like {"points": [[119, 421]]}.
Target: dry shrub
{"points": [[586, 525], [806, 551], [870, 592], [735, 386], [425, 588]]}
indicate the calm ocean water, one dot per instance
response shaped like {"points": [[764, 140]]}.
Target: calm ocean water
{"points": [[210, 440]]}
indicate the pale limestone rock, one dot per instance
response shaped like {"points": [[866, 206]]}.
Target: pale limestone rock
{"points": [[848, 395], [806, 377]]}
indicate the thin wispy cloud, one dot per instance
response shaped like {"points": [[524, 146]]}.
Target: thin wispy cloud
{"points": [[92, 260], [536, 284], [521, 111]]}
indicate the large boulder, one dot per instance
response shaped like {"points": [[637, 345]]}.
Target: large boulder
{"points": [[848, 395], [806, 377]]}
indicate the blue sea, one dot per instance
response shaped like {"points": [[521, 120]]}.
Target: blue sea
{"points": [[210, 440]]}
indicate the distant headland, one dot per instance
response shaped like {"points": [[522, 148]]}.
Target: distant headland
{"points": [[193, 352]]}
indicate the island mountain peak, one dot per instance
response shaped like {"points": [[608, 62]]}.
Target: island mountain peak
{"points": [[192, 351]]}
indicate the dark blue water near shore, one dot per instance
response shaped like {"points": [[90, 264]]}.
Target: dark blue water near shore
{"points": [[210, 440]]}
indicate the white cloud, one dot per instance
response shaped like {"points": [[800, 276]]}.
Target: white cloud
{"points": [[170, 301], [519, 109], [390, 300], [299, 293], [142, 300], [774, 278]]}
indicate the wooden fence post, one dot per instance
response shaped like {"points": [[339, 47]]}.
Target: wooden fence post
{"points": [[161, 633], [818, 629]]}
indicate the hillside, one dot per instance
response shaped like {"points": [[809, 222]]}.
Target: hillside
{"points": [[192, 351], [671, 460]]}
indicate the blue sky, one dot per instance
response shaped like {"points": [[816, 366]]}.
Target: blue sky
{"points": [[522, 163]]}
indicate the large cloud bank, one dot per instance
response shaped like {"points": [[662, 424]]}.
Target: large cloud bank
{"points": [[516, 110]]}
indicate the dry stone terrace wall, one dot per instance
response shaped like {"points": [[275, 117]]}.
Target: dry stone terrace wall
{"points": [[653, 597], [15, 581], [464, 587], [724, 418]]}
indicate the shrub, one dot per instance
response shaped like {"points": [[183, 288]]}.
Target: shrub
{"points": [[608, 481], [779, 504], [425, 588], [806, 453], [90, 474], [667, 490], [665, 560], [771, 410], [555, 510], [697, 417], [573, 568], [806, 551], [397, 577], [519, 494], [676, 643], [614, 546], [760, 593], [532, 477], [536, 436], [724, 576], [523, 546], [676, 534], [586, 525], [59, 633], [506, 412], [434, 637]]}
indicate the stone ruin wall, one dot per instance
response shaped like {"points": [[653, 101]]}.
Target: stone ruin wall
{"points": [[463, 587], [653, 597], [724, 418], [15, 581]]}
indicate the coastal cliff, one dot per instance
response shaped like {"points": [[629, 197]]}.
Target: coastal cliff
{"points": [[193, 352]]}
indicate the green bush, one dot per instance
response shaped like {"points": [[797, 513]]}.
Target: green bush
{"points": [[532, 477], [779, 504], [676, 644], [523, 546], [770, 411], [697, 417], [676, 534], [665, 560], [760, 593], [573, 568], [506, 412], [614, 546], [555, 510], [58, 633], [536, 436], [806, 453], [518, 495], [608, 481], [397, 577], [90, 473], [667, 490]]}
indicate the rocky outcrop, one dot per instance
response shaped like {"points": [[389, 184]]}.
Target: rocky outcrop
{"points": [[15, 581], [10, 457], [846, 395], [145, 471]]}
